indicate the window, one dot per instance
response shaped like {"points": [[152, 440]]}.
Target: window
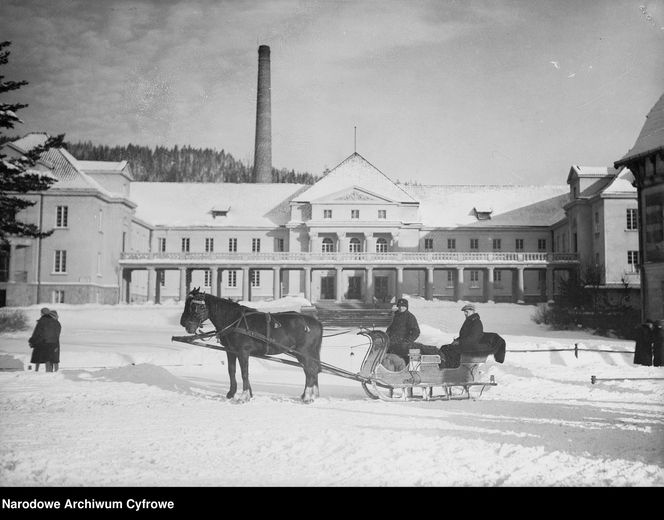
{"points": [[124, 241], [255, 245], [60, 261], [633, 261], [255, 278], [161, 277], [518, 244], [474, 279], [58, 296], [279, 245], [451, 243], [557, 246], [575, 243], [209, 245], [327, 213], [98, 264], [327, 246], [450, 279], [596, 223], [498, 279], [161, 245], [541, 244], [474, 243], [381, 245], [631, 219], [232, 279], [185, 245], [382, 214], [428, 244], [232, 245], [354, 213], [497, 242], [61, 216], [355, 246], [596, 259], [100, 222], [208, 278]]}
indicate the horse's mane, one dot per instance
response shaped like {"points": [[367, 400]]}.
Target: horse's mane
{"points": [[228, 301]]}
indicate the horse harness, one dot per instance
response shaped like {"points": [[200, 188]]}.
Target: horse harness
{"points": [[242, 327]]}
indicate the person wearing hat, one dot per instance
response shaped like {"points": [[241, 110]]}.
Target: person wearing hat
{"points": [[403, 331], [45, 341], [470, 335]]}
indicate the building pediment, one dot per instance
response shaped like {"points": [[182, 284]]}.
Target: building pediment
{"points": [[353, 194]]}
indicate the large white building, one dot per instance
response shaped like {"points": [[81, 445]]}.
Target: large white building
{"points": [[355, 235]]}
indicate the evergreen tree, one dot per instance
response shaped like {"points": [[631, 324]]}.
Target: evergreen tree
{"points": [[16, 173]]}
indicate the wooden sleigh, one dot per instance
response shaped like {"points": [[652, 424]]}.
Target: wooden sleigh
{"points": [[422, 379]]}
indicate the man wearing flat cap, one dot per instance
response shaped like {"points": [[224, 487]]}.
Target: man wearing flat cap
{"points": [[470, 336], [403, 331]]}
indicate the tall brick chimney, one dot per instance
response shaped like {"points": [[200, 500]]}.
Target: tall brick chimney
{"points": [[263, 148]]}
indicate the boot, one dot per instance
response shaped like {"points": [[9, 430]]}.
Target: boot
{"points": [[49, 366]]}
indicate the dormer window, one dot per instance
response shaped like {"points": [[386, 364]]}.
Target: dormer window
{"points": [[482, 213], [327, 213], [354, 213], [220, 211]]}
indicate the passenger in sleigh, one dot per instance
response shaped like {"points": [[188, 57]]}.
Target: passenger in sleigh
{"points": [[402, 333], [472, 340]]}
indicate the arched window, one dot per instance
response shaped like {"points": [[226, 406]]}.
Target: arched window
{"points": [[328, 245], [381, 245], [355, 246]]}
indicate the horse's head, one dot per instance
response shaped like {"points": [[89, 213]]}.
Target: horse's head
{"points": [[195, 311]]}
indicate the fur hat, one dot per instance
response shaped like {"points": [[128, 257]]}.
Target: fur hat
{"points": [[53, 314], [402, 302], [468, 307]]}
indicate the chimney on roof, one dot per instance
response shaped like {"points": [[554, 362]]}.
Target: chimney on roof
{"points": [[263, 146]]}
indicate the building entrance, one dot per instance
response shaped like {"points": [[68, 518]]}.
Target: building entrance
{"points": [[327, 287], [354, 287]]}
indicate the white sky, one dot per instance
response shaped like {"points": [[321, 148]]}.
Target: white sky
{"points": [[441, 92]]}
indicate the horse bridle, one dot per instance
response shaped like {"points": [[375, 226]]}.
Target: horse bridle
{"points": [[199, 310]]}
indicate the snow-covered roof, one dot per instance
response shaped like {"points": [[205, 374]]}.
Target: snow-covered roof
{"points": [[651, 137], [356, 171], [622, 183], [30, 141], [191, 204], [451, 206], [105, 167]]}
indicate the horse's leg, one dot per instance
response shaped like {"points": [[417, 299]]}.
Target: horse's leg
{"points": [[311, 368], [231, 374], [246, 394]]}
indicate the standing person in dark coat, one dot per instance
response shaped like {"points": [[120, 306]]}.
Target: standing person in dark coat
{"points": [[403, 331], [658, 344], [469, 338], [643, 350], [45, 341]]}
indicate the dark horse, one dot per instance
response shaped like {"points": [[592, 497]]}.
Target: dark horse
{"points": [[246, 331]]}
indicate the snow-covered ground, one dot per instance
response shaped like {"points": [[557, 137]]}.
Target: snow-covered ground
{"points": [[131, 408]]}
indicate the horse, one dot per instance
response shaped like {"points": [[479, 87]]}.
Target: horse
{"points": [[245, 331]]}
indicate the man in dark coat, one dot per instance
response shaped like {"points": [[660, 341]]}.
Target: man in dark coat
{"points": [[469, 338], [45, 341], [403, 331], [643, 351]]}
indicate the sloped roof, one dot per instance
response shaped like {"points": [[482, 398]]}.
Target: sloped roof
{"points": [[622, 183], [191, 204], [356, 171], [63, 166], [105, 167], [452, 206], [588, 172], [651, 137]]}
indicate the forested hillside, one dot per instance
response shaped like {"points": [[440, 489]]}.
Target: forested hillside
{"points": [[177, 164]]}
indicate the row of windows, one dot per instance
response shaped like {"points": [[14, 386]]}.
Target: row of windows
{"points": [[496, 243], [355, 214], [185, 245]]}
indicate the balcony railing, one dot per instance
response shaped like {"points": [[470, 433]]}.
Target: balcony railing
{"points": [[424, 258]]}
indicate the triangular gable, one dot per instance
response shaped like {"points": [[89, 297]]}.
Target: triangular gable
{"points": [[356, 172], [622, 183], [353, 194]]}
